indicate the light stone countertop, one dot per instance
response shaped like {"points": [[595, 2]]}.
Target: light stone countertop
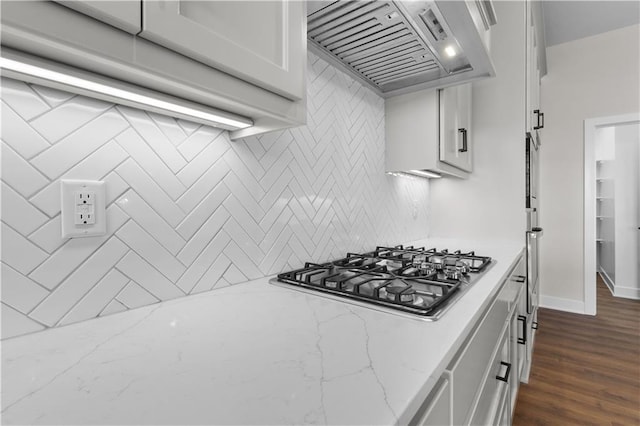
{"points": [[253, 353]]}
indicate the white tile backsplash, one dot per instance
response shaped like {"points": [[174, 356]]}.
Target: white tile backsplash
{"points": [[143, 273], [68, 117], [18, 213], [18, 134], [76, 285], [53, 97], [15, 323], [142, 213], [18, 252], [25, 102], [115, 306], [47, 237], [93, 303], [151, 133], [150, 191], [20, 291], [18, 173], [142, 154], [134, 296], [188, 209], [74, 252], [75, 147], [143, 243]]}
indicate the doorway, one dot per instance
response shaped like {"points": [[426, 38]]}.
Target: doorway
{"points": [[611, 215]]}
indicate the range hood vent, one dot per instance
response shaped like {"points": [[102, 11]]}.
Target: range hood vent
{"points": [[397, 47]]}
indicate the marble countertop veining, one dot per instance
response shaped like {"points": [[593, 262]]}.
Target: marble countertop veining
{"points": [[253, 353]]}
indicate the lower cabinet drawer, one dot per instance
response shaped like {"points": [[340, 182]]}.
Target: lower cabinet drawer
{"points": [[437, 409], [518, 352], [496, 386], [468, 371], [504, 418]]}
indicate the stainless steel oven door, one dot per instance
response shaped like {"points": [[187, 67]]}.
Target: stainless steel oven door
{"points": [[532, 166], [533, 231]]}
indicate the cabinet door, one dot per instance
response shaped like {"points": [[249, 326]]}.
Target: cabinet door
{"points": [[438, 408], [532, 74], [505, 414], [496, 386], [124, 14], [529, 57], [262, 42], [455, 126], [518, 333], [534, 83]]}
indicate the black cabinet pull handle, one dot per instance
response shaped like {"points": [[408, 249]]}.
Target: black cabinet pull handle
{"points": [[523, 340], [505, 378], [464, 140], [539, 119], [519, 278]]}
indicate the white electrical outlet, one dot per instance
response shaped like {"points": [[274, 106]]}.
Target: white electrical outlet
{"points": [[84, 216], [84, 197], [83, 208]]}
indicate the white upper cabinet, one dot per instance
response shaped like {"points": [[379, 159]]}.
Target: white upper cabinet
{"points": [[244, 58], [455, 126], [262, 42], [123, 14], [413, 134], [534, 70]]}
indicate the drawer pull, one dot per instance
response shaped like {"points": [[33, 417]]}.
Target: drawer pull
{"points": [[464, 140], [523, 340], [519, 278], [534, 325], [505, 378]]}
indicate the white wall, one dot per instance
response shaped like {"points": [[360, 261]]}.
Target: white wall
{"points": [[189, 210], [592, 77], [491, 203]]}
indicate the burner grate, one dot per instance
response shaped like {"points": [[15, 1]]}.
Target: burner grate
{"points": [[409, 279]]}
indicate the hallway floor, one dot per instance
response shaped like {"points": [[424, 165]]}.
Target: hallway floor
{"points": [[586, 370]]}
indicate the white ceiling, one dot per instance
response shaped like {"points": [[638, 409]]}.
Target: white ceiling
{"points": [[570, 20]]}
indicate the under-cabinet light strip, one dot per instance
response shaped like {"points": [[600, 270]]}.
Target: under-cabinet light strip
{"points": [[223, 119], [425, 173], [415, 173]]}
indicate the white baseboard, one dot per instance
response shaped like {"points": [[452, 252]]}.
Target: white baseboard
{"points": [[617, 290], [562, 304], [607, 280], [626, 292]]}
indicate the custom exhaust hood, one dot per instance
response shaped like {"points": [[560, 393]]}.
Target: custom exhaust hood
{"points": [[397, 47]]}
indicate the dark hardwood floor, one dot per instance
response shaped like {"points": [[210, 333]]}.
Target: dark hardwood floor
{"points": [[586, 370]]}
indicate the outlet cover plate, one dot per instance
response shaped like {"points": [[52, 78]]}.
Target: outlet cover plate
{"points": [[68, 190]]}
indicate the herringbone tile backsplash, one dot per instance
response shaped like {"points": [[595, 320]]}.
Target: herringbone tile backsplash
{"points": [[188, 210]]}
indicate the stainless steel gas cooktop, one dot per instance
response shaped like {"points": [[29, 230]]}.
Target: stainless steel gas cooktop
{"points": [[412, 280]]}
